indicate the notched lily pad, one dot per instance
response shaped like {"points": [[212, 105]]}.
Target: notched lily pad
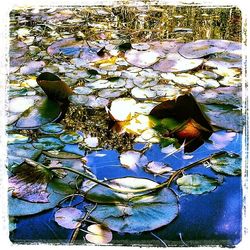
{"points": [[68, 217], [174, 62], [29, 183], [229, 164], [196, 184], [98, 234], [127, 213]]}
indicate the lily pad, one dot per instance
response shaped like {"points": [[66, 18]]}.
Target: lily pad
{"points": [[229, 164], [196, 184], [142, 59], [133, 159], [41, 113], [17, 153], [126, 112], [71, 138], [61, 154], [17, 138], [78, 99], [155, 167], [17, 49], [68, 217], [202, 48], [98, 234], [29, 183], [174, 62], [111, 93], [82, 90], [127, 213], [20, 104], [143, 93], [48, 143], [32, 67], [52, 128]]}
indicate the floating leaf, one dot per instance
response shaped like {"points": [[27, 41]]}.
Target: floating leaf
{"points": [[17, 49], [208, 83], [174, 62], [124, 113], [225, 60], [111, 93], [133, 159], [229, 164], [20, 104], [166, 90], [32, 67], [41, 113], [71, 138], [52, 128], [206, 74], [142, 59], [225, 116], [196, 184], [202, 48], [158, 167], [186, 79], [91, 142], [61, 154], [48, 143], [29, 183], [231, 81], [98, 234], [127, 213], [140, 46], [96, 102], [82, 90], [17, 153], [17, 138], [145, 93], [78, 99], [68, 217]]}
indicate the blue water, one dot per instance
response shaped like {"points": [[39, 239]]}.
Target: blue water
{"points": [[214, 218]]}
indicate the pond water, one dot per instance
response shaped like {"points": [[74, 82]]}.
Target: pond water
{"points": [[87, 129]]}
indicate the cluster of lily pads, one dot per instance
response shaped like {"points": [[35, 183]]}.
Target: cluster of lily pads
{"points": [[48, 161]]}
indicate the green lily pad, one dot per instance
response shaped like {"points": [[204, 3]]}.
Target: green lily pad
{"points": [[48, 143], [41, 113], [71, 138], [61, 154], [229, 164], [196, 184], [17, 138], [52, 128], [126, 212], [18, 152]]}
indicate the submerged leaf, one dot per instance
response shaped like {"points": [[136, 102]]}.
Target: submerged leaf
{"points": [[196, 184], [127, 213], [29, 183], [98, 234], [68, 217], [229, 164]]}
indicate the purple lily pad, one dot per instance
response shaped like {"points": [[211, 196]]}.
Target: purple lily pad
{"points": [[142, 59], [32, 67], [30, 183], [174, 62], [18, 49], [202, 48]]}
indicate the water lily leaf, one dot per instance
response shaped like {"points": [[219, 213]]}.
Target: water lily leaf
{"points": [[78, 99], [127, 213], [229, 164], [208, 83], [17, 153], [222, 95], [29, 183], [133, 159], [48, 143], [32, 67], [142, 59], [140, 46], [225, 60], [41, 113], [202, 48], [111, 93], [82, 90], [186, 79], [143, 93], [91, 142], [61, 154], [126, 112], [17, 138], [225, 116], [71, 138], [98, 234], [17, 49], [20, 104], [206, 74], [96, 102], [196, 184], [231, 81], [52, 128], [166, 90], [158, 168], [174, 62], [68, 217]]}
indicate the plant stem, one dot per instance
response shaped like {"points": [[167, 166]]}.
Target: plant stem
{"points": [[143, 190]]}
